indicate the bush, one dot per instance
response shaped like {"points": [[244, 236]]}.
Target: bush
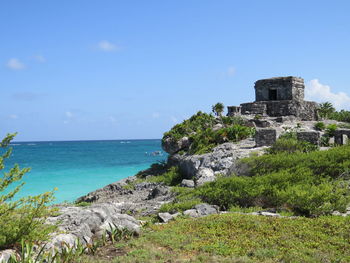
{"points": [[171, 177], [203, 138], [309, 184], [206, 140], [320, 126], [291, 145], [22, 219], [330, 129]]}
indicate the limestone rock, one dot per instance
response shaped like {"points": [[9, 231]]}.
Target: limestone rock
{"points": [[191, 213], [84, 223], [187, 183], [166, 217], [202, 210], [204, 175], [172, 146], [145, 199], [222, 160], [205, 209], [5, 255], [159, 190]]}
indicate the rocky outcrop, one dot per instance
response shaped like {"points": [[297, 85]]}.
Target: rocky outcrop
{"points": [[166, 217], [6, 254], [187, 183], [86, 223], [173, 146], [222, 160], [201, 210], [143, 198]]}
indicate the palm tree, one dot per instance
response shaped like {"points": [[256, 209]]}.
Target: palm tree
{"points": [[218, 108], [326, 109]]}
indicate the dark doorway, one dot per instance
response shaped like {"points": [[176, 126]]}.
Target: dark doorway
{"points": [[272, 94]]}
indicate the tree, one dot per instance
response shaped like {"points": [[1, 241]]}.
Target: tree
{"points": [[24, 218], [326, 109], [218, 108]]}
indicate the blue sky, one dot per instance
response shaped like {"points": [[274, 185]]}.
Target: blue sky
{"points": [[73, 70]]}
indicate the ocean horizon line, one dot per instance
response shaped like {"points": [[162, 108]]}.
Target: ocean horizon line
{"points": [[96, 140]]}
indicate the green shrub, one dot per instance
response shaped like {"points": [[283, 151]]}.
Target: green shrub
{"points": [[196, 123], [180, 206], [326, 110], [342, 115], [171, 177], [22, 219], [309, 184], [330, 129], [320, 126], [218, 108], [199, 129], [291, 145]]}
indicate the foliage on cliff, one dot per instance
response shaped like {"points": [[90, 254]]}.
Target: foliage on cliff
{"points": [[22, 219], [202, 134], [309, 184]]}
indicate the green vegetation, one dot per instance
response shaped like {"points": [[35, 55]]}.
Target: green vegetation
{"points": [[218, 108], [320, 126], [171, 177], [203, 138], [325, 110], [288, 143], [310, 184], [240, 238], [21, 220]]}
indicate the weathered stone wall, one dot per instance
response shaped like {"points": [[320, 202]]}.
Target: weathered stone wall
{"points": [[287, 88], [312, 137], [341, 136], [233, 110], [304, 110], [254, 108], [265, 137]]}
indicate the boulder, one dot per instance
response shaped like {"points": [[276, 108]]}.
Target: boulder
{"points": [[191, 213], [204, 175], [157, 191], [172, 146], [84, 223], [187, 183], [6, 254], [202, 210], [205, 209], [222, 160], [166, 217]]}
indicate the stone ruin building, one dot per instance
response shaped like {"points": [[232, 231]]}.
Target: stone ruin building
{"points": [[276, 97]]}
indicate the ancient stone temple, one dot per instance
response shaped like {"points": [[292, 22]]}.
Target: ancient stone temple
{"points": [[280, 96]]}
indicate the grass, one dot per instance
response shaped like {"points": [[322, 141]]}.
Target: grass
{"points": [[241, 238]]}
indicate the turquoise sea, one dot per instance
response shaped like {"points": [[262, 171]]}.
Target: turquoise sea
{"points": [[78, 167]]}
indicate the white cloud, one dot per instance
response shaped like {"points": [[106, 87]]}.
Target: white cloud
{"points": [[15, 64], [231, 71], [107, 46], [112, 119], [155, 115], [13, 116], [39, 58], [322, 93], [69, 114]]}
